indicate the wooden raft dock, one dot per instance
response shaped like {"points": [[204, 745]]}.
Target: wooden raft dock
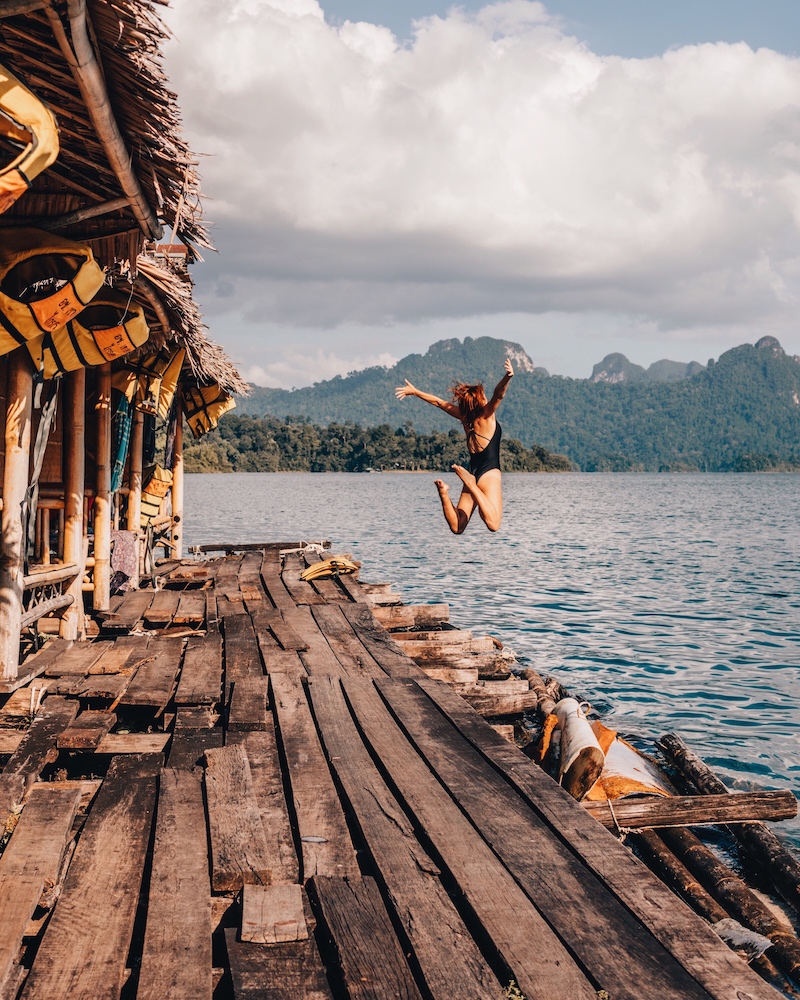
{"points": [[244, 787]]}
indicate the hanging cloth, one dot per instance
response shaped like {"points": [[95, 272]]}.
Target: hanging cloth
{"points": [[110, 326], [172, 426], [204, 405], [45, 281], [31, 501], [30, 128], [121, 438]]}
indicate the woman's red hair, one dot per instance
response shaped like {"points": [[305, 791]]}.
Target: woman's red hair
{"points": [[469, 399]]}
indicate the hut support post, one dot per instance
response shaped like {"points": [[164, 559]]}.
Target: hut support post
{"points": [[135, 482], [177, 491], [72, 621], [15, 485], [102, 504]]}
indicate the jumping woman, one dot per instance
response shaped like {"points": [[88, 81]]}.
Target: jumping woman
{"points": [[482, 486]]}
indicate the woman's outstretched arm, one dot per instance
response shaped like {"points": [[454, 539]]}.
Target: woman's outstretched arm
{"points": [[499, 390], [409, 390]]}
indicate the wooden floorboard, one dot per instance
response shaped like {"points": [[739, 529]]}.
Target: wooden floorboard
{"points": [[85, 946], [200, 682], [154, 681]]}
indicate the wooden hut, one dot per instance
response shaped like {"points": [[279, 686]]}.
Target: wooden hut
{"points": [[99, 333]]}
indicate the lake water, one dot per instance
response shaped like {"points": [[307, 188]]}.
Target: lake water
{"points": [[671, 603]]}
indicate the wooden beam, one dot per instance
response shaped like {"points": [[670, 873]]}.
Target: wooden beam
{"points": [[15, 485], [135, 481], [177, 487], [88, 75], [102, 502], [692, 810]]}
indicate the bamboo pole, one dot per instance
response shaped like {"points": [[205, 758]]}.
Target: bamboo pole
{"points": [[73, 621], [135, 486], [761, 844], [177, 489], [15, 485], [102, 505], [86, 70]]}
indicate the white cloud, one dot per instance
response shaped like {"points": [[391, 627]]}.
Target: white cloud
{"points": [[493, 165], [293, 368]]}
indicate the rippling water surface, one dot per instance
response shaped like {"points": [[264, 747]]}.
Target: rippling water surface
{"points": [[672, 603]]}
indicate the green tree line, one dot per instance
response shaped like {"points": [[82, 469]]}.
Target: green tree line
{"points": [[270, 444]]}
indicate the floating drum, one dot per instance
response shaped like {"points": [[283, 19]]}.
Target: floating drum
{"points": [[111, 326], [157, 482], [203, 406], [29, 131], [581, 756], [45, 281]]}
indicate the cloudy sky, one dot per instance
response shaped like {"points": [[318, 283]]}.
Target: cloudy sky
{"points": [[579, 176]]}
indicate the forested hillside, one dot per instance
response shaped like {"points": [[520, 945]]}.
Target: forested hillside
{"points": [[249, 444], [742, 412]]}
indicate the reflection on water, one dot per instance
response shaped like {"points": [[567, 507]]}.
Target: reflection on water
{"points": [[672, 603]]}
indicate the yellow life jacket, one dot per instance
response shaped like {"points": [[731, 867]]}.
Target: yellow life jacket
{"points": [[111, 326], [152, 379], [203, 406], [157, 483], [45, 281], [30, 126]]}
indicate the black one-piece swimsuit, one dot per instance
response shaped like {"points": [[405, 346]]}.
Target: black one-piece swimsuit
{"points": [[480, 462]]}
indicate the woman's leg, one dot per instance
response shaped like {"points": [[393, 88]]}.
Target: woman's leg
{"points": [[488, 496], [457, 517]]}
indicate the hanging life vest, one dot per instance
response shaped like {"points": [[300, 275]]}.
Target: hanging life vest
{"points": [[29, 127], [151, 380], [157, 482], [203, 405], [111, 326], [45, 281]]}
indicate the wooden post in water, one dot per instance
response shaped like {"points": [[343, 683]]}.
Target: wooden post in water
{"points": [[102, 505], [177, 489], [15, 484], [72, 621], [135, 484]]}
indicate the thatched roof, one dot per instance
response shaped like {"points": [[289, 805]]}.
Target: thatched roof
{"points": [[124, 168]]}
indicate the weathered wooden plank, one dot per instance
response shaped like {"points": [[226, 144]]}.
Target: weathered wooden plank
{"points": [[286, 636], [324, 836], [133, 743], [85, 948], [693, 810], [103, 687], [154, 681], [354, 590], [318, 657], [212, 618], [346, 645], [371, 960], [191, 608], [687, 937], [290, 971], [188, 747], [77, 660], [489, 703], [381, 645], [130, 611], [22, 705], [12, 792], [38, 748], [162, 608], [200, 682], [448, 958], [242, 657], [406, 615], [273, 914], [120, 656], [86, 731], [442, 636], [523, 936], [31, 861], [176, 958], [36, 664], [238, 845], [10, 739], [301, 591], [273, 584], [390, 599], [330, 589], [247, 711], [427, 649], [267, 781]]}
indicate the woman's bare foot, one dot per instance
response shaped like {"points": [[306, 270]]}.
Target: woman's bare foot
{"points": [[442, 487], [466, 477]]}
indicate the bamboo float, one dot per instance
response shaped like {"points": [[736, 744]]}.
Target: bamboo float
{"points": [[581, 760], [760, 843], [734, 894]]}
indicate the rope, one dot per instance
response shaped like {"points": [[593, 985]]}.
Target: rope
{"points": [[622, 831]]}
